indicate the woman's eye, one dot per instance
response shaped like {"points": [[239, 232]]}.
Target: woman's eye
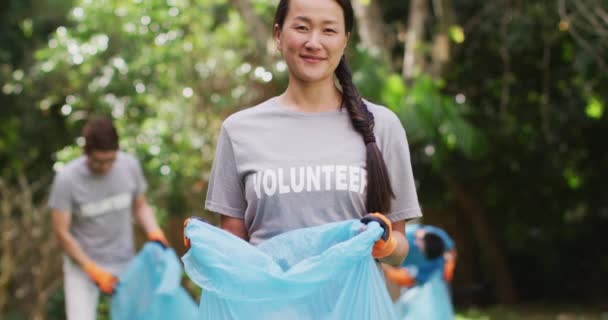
{"points": [[301, 28], [330, 30]]}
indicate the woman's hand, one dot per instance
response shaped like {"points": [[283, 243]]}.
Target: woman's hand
{"points": [[186, 239], [398, 249], [384, 246]]}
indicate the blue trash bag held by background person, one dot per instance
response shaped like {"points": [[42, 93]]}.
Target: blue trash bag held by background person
{"points": [[429, 300], [324, 272], [150, 288]]}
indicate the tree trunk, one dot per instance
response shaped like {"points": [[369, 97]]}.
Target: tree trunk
{"points": [[371, 28], [488, 243], [257, 28], [441, 41], [6, 252], [413, 59]]}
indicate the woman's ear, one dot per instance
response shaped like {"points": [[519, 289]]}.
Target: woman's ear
{"points": [[347, 38], [277, 36]]}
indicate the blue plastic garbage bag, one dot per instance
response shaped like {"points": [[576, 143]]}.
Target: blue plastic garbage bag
{"points": [[150, 288], [324, 272], [429, 300]]}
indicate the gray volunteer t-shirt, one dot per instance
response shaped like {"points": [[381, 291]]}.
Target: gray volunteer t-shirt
{"points": [[280, 169], [101, 206]]}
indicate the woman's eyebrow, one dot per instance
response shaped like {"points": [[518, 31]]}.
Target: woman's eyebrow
{"points": [[308, 20]]}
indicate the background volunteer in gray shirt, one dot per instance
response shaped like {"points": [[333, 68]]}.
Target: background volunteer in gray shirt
{"points": [[92, 201], [314, 154]]}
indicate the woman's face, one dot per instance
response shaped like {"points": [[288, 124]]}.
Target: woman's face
{"points": [[313, 39]]}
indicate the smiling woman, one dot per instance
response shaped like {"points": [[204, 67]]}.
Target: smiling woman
{"points": [[312, 38], [318, 153]]}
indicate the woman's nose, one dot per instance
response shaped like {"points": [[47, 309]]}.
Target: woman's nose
{"points": [[313, 42]]}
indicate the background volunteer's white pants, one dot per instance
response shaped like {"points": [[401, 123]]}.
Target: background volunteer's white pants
{"points": [[81, 293]]}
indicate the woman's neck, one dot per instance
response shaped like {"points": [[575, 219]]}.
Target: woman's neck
{"points": [[312, 97]]}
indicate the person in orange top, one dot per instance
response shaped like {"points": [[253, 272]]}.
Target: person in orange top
{"points": [[432, 251]]}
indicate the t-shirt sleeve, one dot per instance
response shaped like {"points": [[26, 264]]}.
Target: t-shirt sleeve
{"points": [[141, 185], [61, 193], [396, 153], [226, 193]]}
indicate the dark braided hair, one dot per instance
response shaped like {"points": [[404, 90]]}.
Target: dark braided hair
{"points": [[379, 189]]}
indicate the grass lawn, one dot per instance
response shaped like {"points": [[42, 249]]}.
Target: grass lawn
{"points": [[533, 313]]}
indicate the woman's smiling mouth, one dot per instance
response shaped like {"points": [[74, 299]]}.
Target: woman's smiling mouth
{"points": [[312, 59]]}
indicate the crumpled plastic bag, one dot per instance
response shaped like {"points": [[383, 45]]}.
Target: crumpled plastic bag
{"points": [[324, 272], [429, 300], [150, 288]]}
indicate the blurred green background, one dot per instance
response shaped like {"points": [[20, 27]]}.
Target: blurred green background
{"points": [[503, 102]]}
